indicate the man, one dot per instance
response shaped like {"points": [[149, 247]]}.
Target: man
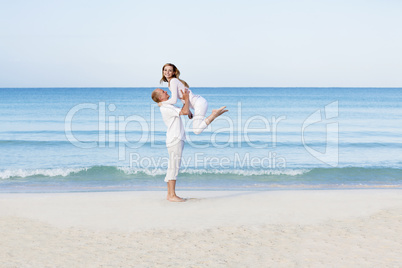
{"points": [[175, 135], [175, 138]]}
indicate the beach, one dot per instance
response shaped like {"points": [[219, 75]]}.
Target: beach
{"points": [[304, 228], [287, 149]]}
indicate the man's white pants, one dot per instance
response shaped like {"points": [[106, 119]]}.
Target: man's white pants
{"points": [[175, 152]]}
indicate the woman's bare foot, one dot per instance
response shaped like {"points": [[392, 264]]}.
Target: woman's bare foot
{"points": [[175, 198], [218, 112], [215, 114]]}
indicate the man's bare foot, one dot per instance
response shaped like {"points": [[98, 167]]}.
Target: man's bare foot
{"points": [[175, 199], [215, 114]]}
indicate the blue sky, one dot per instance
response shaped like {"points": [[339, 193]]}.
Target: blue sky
{"points": [[214, 43]]}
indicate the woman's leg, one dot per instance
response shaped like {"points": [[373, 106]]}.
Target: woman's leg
{"points": [[200, 109]]}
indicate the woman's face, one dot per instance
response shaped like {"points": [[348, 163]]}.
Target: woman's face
{"points": [[168, 72]]}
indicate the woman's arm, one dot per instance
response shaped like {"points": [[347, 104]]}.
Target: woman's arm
{"points": [[174, 91], [185, 110]]}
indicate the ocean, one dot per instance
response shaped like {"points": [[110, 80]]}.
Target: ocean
{"points": [[113, 139]]}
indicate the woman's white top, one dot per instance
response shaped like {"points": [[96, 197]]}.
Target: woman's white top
{"points": [[175, 88]]}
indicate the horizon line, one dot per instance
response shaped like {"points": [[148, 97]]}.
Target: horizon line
{"points": [[59, 87]]}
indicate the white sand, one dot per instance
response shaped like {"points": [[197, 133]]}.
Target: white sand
{"points": [[327, 228]]}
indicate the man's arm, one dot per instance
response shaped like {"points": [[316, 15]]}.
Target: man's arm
{"points": [[186, 107]]}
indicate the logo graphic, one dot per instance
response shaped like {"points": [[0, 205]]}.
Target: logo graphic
{"points": [[330, 155]]}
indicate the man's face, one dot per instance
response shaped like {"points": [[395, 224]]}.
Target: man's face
{"points": [[163, 95]]}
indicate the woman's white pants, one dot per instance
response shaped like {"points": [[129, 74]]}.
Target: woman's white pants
{"points": [[200, 109]]}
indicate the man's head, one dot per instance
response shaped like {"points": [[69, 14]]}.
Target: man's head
{"points": [[159, 95]]}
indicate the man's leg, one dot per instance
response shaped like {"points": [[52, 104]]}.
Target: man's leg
{"points": [[171, 196], [175, 152]]}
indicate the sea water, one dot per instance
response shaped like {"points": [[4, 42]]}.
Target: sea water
{"points": [[113, 139]]}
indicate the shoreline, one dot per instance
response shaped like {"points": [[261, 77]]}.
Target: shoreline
{"points": [[271, 188]]}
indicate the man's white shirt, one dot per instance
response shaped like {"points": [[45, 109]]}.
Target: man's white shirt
{"points": [[175, 128]]}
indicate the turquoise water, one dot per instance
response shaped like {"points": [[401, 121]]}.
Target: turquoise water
{"points": [[102, 139]]}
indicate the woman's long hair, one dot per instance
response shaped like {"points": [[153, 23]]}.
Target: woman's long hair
{"points": [[176, 74]]}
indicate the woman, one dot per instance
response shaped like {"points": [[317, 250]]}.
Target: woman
{"points": [[171, 74]]}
